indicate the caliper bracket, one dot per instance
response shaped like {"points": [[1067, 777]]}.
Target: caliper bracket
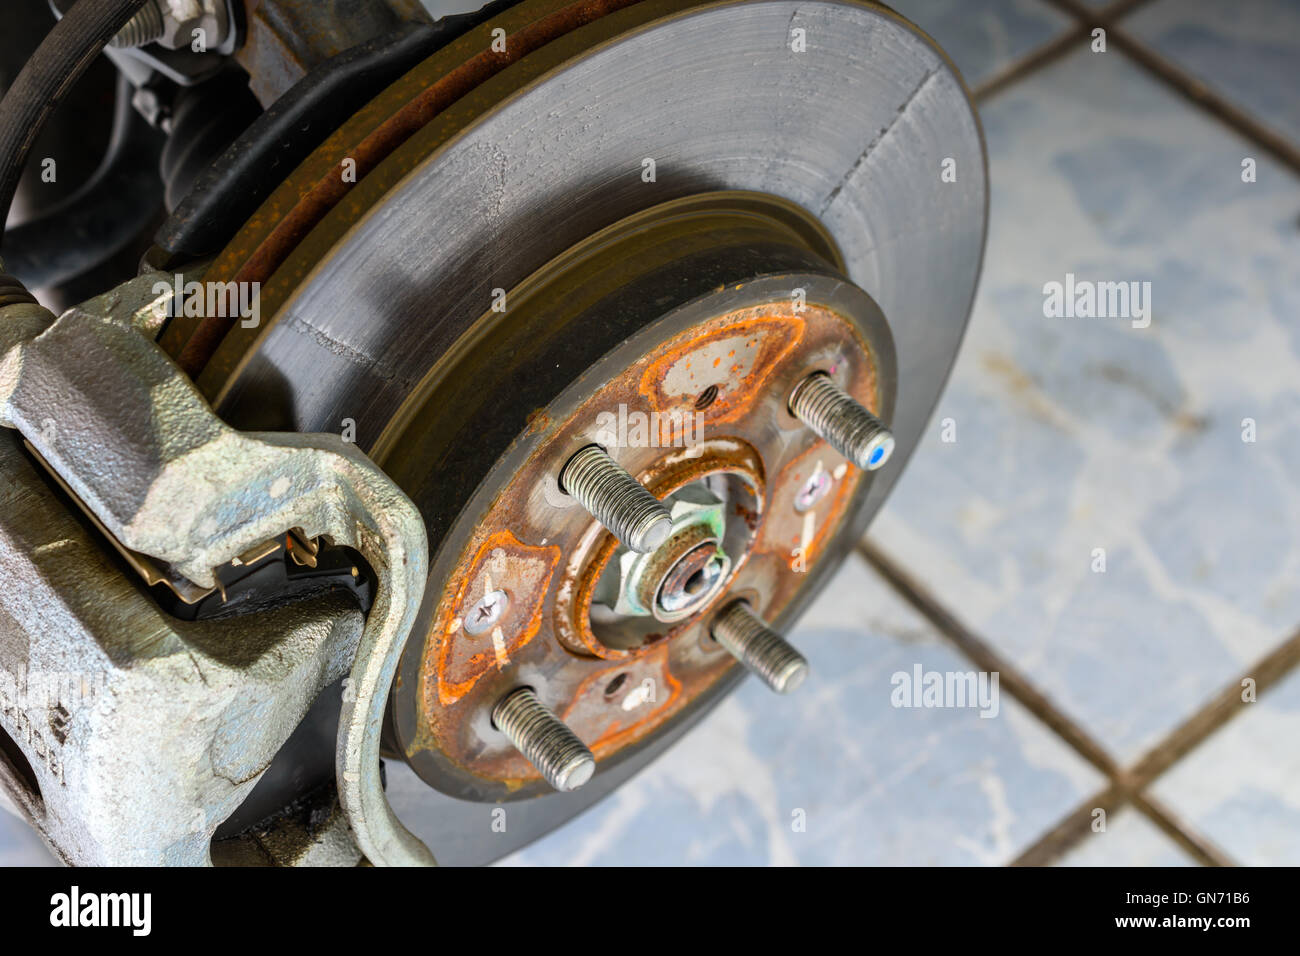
{"points": [[131, 437]]}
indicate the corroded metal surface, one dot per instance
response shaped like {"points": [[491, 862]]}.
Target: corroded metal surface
{"points": [[701, 315], [591, 552], [744, 433], [500, 559], [313, 189], [727, 319]]}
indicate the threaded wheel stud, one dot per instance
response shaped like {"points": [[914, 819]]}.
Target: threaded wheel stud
{"points": [[545, 741], [765, 652], [616, 499], [841, 421]]}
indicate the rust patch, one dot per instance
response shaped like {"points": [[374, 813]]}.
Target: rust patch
{"points": [[798, 537], [728, 362], [464, 658], [623, 703], [573, 602]]}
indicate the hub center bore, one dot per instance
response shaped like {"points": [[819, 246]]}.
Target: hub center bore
{"points": [[691, 582], [682, 575]]}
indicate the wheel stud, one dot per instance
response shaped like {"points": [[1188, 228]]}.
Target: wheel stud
{"points": [[758, 647], [842, 421], [616, 499], [545, 741]]}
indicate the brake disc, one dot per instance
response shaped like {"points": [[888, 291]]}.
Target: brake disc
{"points": [[667, 207]]}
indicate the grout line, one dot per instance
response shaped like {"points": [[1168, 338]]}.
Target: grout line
{"points": [[1112, 11], [1077, 825], [1192, 89], [1090, 17], [984, 656], [1198, 847], [1030, 63], [1124, 786], [1224, 706], [1072, 828], [1051, 51]]}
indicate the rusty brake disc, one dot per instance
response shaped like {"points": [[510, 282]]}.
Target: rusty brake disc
{"points": [[647, 186]]}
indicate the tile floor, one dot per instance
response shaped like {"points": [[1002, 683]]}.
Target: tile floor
{"points": [[1121, 689]]}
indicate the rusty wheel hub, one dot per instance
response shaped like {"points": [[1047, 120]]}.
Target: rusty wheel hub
{"points": [[686, 389]]}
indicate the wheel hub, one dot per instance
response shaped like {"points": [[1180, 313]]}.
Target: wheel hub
{"points": [[682, 575]]}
